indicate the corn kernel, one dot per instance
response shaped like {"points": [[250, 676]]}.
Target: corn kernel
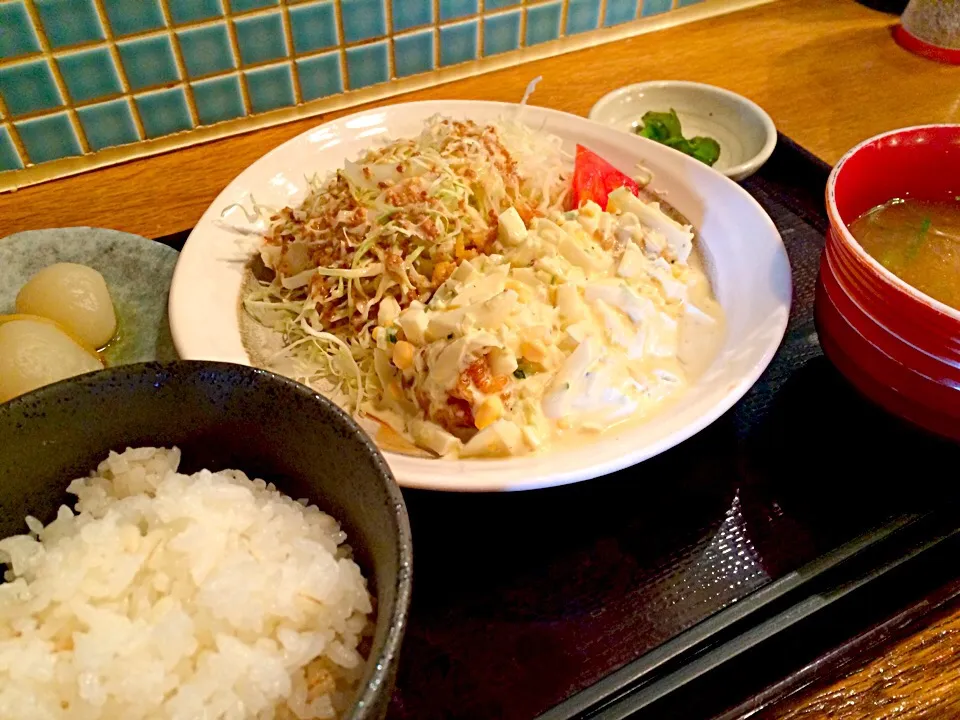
{"points": [[396, 390], [441, 271], [534, 352], [403, 354], [489, 412], [522, 290]]}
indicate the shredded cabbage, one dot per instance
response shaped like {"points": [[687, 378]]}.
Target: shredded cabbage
{"points": [[394, 223]]}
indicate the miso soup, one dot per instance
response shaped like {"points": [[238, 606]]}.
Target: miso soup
{"points": [[918, 241]]}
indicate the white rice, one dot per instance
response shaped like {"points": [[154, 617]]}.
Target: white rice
{"points": [[174, 596]]}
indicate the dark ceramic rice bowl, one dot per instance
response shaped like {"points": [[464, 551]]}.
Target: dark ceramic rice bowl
{"points": [[221, 416]]}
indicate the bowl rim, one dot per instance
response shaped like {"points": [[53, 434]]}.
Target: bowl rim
{"points": [[742, 170], [386, 661], [843, 234], [830, 323]]}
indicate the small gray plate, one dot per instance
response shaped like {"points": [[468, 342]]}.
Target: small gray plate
{"points": [[138, 273]]}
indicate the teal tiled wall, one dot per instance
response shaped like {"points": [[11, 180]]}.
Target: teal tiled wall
{"points": [[80, 76]]}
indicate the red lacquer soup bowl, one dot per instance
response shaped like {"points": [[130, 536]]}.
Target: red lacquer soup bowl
{"points": [[897, 345]]}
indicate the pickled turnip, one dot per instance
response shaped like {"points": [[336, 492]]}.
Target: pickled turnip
{"points": [[36, 352], [76, 297]]}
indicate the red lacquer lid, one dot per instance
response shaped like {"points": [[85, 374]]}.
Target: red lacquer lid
{"points": [[921, 47]]}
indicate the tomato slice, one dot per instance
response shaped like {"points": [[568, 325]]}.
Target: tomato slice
{"points": [[594, 179]]}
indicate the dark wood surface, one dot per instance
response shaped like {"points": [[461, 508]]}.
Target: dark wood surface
{"points": [[912, 676], [906, 666]]}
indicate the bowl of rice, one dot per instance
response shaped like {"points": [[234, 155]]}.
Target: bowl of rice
{"points": [[193, 539]]}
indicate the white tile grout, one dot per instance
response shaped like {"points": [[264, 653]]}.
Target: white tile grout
{"points": [[291, 51], [292, 57], [522, 40], [172, 28], [481, 26], [127, 92], [562, 29], [64, 167], [68, 106], [14, 136], [341, 44], [239, 67], [229, 18], [388, 23], [435, 24]]}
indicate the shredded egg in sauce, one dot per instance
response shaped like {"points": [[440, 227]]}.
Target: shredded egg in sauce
{"points": [[577, 323]]}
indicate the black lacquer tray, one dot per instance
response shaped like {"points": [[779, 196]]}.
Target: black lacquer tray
{"points": [[603, 598]]}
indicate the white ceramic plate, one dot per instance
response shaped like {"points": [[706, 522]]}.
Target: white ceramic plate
{"points": [[745, 132], [743, 251]]}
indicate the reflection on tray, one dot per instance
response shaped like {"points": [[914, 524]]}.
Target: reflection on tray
{"points": [[518, 583], [861, 464]]}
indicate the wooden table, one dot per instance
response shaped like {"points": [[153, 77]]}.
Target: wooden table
{"points": [[914, 676], [828, 73]]}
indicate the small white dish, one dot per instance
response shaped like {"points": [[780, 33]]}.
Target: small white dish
{"points": [[746, 134], [740, 246]]}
